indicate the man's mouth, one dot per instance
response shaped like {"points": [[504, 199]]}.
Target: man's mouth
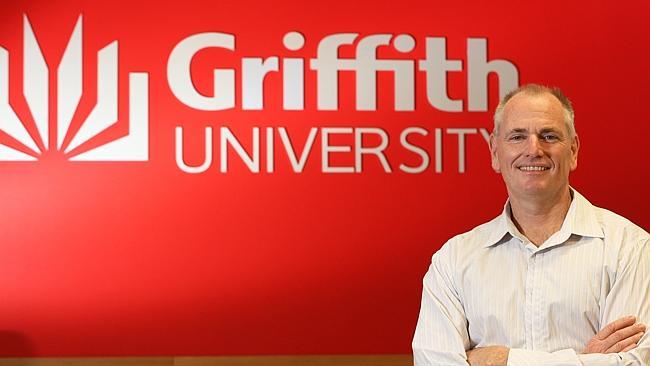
{"points": [[530, 168]]}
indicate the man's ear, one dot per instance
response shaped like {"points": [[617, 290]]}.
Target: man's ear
{"points": [[493, 153], [575, 146]]}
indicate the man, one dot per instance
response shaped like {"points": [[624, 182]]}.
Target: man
{"points": [[553, 280]]}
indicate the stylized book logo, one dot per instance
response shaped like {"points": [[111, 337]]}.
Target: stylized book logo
{"points": [[132, 147]]}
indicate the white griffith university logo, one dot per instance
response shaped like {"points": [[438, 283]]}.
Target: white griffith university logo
{"points": [[132, 147]]}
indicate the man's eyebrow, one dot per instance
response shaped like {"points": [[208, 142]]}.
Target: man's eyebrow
{"points": [[549, 129], [517, 130], [542, 130]]}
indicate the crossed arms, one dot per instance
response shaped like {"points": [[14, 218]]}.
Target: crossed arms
{"points": [[620, 335], [443, 338]]}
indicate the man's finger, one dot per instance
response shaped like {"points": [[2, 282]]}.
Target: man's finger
{"points": [[614, 326], [623, 334], [616, 336], [629, 348], [625, 343]]}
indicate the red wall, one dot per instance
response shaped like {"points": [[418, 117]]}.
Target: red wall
{"points": [[142, 258]]}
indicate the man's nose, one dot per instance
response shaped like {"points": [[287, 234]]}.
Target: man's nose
{"points": [[534, 146]]}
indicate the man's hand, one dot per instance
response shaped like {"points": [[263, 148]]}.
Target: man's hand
{"points": [[488, 356], [620, 335]]}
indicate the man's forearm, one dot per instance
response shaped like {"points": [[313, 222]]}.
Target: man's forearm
{"points": [[488, 356]]}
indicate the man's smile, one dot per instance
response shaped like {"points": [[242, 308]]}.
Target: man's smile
{"points": [[533, 168]]}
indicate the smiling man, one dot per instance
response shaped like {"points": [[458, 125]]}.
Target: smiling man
{"points": [[553, 280]]}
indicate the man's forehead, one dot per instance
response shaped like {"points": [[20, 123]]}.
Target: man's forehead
{"points": [[527, 108], [526, 103]]}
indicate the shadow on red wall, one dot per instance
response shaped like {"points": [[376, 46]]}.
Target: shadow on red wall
{"points": [[14, 344]]}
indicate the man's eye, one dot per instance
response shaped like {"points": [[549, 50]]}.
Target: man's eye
{"points": [[516, 137], [550, 138]]}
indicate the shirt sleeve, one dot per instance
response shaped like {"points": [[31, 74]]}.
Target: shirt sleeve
{"points": [[441, 336], [524, 357], [569, 357], [627, 296]]}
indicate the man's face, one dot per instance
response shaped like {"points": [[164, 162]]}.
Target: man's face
{"points": [[533, 150]]}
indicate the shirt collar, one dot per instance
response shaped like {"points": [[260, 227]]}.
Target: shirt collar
{"points": [[584, 221], [580, 220]]}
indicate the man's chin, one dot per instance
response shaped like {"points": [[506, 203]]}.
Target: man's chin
{"points": [[537, 190], [531, 189]]}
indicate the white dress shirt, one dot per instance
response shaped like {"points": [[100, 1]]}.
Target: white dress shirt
{"points": [[492, 286]]}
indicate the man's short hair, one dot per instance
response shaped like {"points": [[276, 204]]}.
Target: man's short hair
{"points": [[536, 89]]}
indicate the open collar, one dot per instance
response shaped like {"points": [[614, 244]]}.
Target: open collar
{"points": [[581, 219]]}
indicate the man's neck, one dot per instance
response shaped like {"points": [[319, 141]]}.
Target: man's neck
{"points": [[538, 218]]}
